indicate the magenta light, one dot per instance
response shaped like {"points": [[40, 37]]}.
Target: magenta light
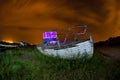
{"points": [[51, 35]]}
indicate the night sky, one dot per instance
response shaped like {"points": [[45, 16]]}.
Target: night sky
{"points": [[26, 20]]}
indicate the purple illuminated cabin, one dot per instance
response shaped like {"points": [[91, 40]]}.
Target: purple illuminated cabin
{"points": [[50, 37]]}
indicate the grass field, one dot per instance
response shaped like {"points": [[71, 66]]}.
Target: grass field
{"points": [[30, 64]]}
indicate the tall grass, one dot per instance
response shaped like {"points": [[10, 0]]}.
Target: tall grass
{"points": [[30, 64]]}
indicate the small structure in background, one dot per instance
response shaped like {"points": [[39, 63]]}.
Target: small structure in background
{"points": [[23, 43], [76, 48], [6, 45]]}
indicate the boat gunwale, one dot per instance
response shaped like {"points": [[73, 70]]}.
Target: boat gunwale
{"points": [[63, 46]]}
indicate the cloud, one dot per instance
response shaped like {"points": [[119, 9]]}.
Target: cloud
{"points": [[32, 17]]}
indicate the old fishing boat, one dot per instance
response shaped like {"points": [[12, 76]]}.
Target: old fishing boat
{"points": [[76, 48]]}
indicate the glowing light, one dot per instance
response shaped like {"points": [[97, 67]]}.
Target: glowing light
{"points": [[8, 41], [50, 37]]}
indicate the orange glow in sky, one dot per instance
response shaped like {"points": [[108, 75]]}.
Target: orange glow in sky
{"points": [[26, 20], [8, 41]]}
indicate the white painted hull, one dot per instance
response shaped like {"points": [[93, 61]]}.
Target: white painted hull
{"points": [[78, 51]]}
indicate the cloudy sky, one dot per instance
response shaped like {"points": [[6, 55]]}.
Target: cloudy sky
{"points": [[26, 20]]}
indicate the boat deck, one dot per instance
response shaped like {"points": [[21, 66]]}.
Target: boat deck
{"points": [[62, 46]]}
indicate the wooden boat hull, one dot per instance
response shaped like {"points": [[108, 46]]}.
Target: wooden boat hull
{"points": [[79, 50]]}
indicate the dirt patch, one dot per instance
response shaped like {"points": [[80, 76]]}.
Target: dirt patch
{"points": [[113, 52], [24, 57]]}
